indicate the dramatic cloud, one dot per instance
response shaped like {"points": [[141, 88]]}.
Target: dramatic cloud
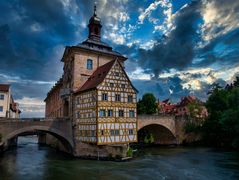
{"points": [[175, 48]]}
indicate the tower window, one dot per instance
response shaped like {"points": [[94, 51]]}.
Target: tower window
{"points": [[89, 64]]}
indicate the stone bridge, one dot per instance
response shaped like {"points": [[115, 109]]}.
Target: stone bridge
{"points": [[165, 121], [61, 129], [166, 129]]}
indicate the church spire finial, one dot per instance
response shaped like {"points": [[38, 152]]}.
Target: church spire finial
{"points": [[95, 9]]}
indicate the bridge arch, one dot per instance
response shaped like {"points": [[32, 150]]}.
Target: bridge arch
{"points": [[160, 134], [66, 141], [162, 128]]}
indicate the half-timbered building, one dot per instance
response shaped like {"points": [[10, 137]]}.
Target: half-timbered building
{"points": [[96, 94], [106, 107]]}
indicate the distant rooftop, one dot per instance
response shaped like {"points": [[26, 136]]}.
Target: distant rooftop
{"points": [[4, 87]]}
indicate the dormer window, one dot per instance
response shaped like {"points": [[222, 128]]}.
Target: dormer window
{"points": [[89, 65]]}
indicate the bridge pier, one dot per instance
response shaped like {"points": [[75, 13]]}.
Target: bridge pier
{"points": [[12, 142], [42, 138]]}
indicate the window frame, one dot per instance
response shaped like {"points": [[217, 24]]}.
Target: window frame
{"points": [[108, 113], [131, 113], [121, 113], [104, 96], [2, 96], [117, 98], [102, 111], [111, 85], [130, 131], [89, 64], [130, 97], [1, 108], [117, 132]]}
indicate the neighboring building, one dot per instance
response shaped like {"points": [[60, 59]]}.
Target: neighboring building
{"points": [[8, 108], [54, 103], [95, 92], [189, 106], [192, 107], [166, 107]]}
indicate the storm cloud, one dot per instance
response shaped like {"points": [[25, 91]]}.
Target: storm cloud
{"points": [[177, 49]]}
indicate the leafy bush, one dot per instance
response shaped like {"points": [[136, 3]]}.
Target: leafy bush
{"points": [[130, 152], [149, 139], [192, 127]]}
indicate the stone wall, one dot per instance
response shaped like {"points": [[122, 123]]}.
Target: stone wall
{"points": [[100, 152], [54, 103]]}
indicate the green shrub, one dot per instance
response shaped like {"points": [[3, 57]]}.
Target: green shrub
{"points": [[130, 152], [192, 127], [149, 139]]}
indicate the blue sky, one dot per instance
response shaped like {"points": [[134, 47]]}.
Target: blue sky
{"points": [[175, 47]]}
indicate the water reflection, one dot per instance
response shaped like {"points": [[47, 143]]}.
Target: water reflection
{"points": [[29, 161]]}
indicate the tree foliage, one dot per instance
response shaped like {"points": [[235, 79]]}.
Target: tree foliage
{"points": [[222, 126], [147, 105]]}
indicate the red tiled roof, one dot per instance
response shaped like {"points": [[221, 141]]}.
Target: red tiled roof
{"points": [[4, 87], [186, 100], [166, 101], [97, 77]]}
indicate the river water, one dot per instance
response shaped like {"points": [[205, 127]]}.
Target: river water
{"points": [[30, 161]]}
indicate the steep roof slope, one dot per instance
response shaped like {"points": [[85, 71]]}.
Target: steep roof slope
{"points": [[97, 77]]}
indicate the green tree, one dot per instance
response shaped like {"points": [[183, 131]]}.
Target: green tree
{"points": [[236, 82], [222, 126], [147, 105]]}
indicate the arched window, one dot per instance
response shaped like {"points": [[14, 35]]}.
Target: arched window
{"points": [[89, 64]]}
